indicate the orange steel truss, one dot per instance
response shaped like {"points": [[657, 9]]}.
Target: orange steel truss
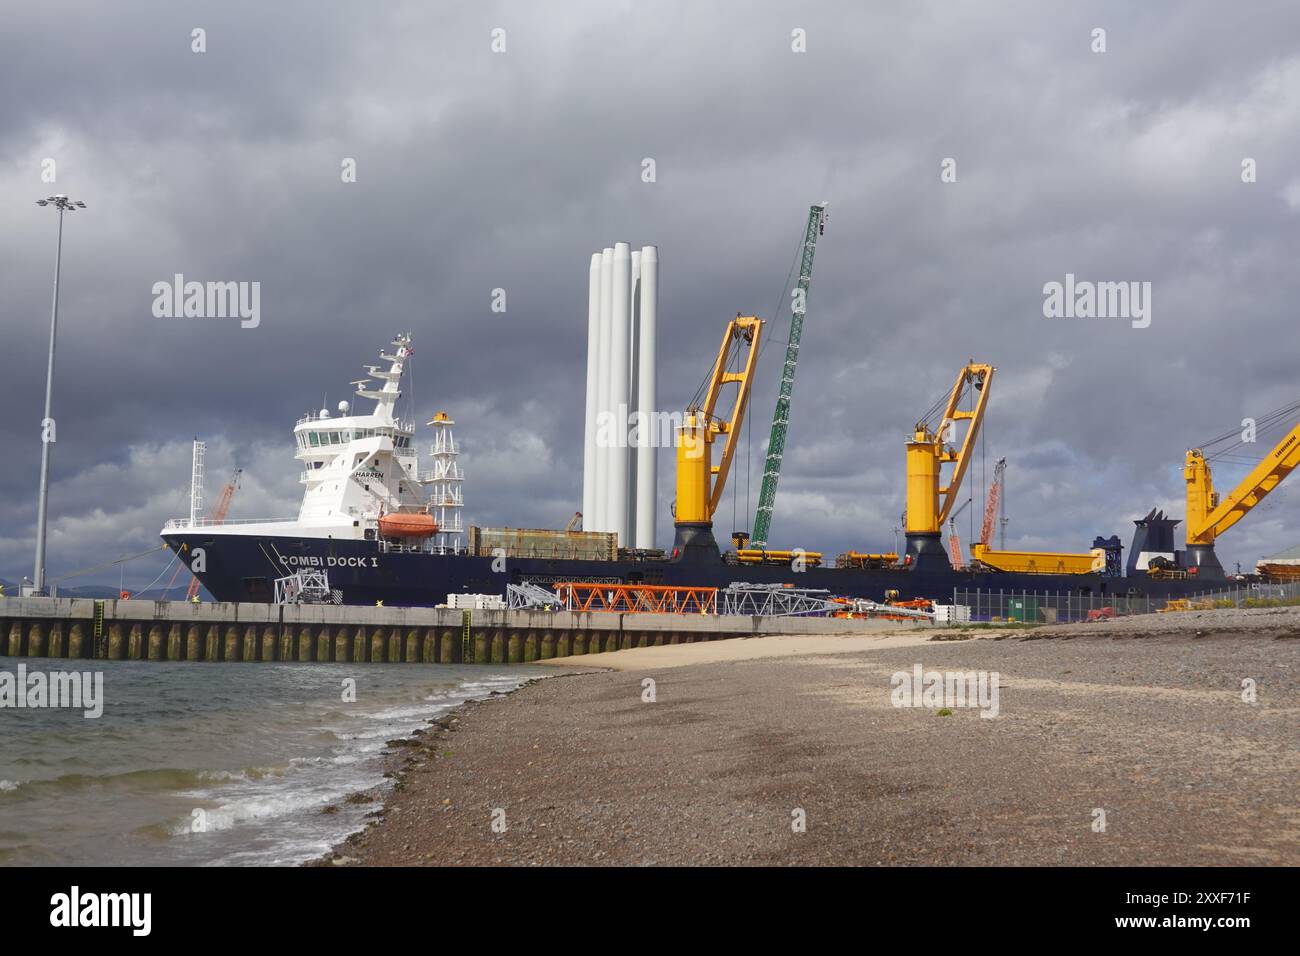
{"points": [[637, 598]]}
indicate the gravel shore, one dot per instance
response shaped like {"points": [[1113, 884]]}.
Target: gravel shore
{"points": [[1144, 724]]}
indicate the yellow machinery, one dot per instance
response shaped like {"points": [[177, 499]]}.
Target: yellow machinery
{"points": [[1208, 515], [1040, 562], [859, 559], [700, 482], [809, 559]]}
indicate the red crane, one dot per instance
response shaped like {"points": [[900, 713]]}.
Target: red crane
{"points": [[219, 512], [954, 540], [992, 503]]}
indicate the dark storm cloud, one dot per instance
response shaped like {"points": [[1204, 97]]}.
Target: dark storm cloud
{"points": [[479, 171]]}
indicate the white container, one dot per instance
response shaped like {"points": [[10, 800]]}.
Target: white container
{"points": [[476, 602], [952, 614]]}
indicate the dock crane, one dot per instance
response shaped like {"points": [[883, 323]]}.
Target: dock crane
{"points": [[700, 482], [1209, 515], [993, 507], [781, 417], [929, 501]]}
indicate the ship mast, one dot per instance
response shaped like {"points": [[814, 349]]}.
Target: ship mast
{"points": [[387, 395]]}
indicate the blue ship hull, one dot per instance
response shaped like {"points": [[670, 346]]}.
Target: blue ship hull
{"points": [[245, 567]]}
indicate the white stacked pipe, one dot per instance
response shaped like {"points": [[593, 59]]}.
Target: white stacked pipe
{"points": [[619, 477], [602, 522], [618, 394], [646, 480], [589, 426], [633, 325]]}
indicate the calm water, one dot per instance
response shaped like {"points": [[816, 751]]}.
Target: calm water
{"points": [[261, 749]]}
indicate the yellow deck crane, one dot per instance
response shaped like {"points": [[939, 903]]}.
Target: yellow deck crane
{"points": [[1209, 515], [700, 482], [929, 500]]}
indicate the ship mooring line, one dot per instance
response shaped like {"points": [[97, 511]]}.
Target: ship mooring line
{"points": [[175, 556], [110, 564]]}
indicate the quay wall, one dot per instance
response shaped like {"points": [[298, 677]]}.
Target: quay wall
{"points": [[226, 632]]}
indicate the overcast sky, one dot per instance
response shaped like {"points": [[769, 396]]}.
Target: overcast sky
{"points": [[479, 170]]}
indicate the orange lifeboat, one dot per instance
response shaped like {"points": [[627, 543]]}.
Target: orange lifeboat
{"points": [[407, 525]]}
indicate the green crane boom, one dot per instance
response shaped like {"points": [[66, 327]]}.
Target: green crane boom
{"points": [[781, 418]]}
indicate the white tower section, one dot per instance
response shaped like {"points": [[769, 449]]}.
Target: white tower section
{"points": [[647, 398], [446, 479], [619, 486], [620, 353], [589, 429], [633, 324], [196, 483], [601, 522]]}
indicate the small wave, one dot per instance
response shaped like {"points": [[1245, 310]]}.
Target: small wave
{"points": [[407, 712], [257, 808], [153, 779], [240, 776], [259, 814]]}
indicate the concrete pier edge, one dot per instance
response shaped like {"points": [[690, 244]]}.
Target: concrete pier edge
{"points": [[224, 632]]}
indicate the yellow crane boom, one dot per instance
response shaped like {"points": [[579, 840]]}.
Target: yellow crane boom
{"points": [[1208, 516], [929, 502], [700, 482]]}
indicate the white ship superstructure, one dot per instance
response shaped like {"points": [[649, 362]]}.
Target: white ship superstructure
{"points": [[360, 472]]}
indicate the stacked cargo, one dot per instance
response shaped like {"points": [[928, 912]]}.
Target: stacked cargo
{"points": [[543, 543]]}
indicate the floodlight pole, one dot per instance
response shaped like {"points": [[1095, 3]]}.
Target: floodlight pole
{"points": [[63, 204]]}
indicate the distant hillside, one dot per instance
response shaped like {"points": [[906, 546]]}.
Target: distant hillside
{"points": [[102, 592]]}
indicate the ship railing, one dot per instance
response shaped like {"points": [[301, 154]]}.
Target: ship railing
{"points": [[388, 546], [397, 425], [181, 524]]}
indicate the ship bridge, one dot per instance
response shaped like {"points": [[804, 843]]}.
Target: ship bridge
{"points": [[359, 471]]}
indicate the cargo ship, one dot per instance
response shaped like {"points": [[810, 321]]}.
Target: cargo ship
{"points": [[369, 522]]}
